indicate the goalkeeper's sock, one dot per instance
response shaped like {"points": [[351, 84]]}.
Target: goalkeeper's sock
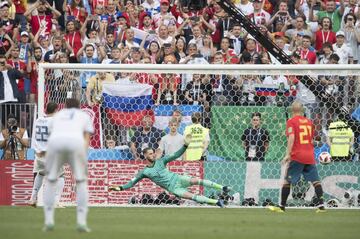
{"points": [[203, 199], [285, 191], [38, 181], [209, 184], [319, 193], [82, 202], [49, 199], [59, 189]]}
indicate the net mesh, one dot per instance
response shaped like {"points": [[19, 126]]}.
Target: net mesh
{"points": [[132, 110]]}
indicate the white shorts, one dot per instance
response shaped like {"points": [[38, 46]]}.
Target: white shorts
{"points": [[64, 151], [39, 165]]}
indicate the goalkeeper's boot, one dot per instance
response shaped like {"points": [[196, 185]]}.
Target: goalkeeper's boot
{"points": [[320, 209], [114, 188], [32, 203], [48, 227], [220, 203], [82, 228], [280, 209]]}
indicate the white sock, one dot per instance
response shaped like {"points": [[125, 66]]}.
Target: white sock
{"points": [[59, 189], [38, 181], [82, 202], [49, 199]]}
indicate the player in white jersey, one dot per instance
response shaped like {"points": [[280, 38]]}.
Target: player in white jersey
{"points": [[68, 142], [39, 139]]}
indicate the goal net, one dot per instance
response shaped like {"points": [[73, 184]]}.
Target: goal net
{"points": [[245, 108]]}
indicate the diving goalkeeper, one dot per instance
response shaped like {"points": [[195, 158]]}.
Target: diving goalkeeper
{"points": [[176, 184]]}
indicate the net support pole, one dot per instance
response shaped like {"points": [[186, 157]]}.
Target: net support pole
{"points": [[41, 91]]}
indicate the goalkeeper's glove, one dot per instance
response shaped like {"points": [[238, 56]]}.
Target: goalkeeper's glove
{"points": [[115, 188], [187, 139]]}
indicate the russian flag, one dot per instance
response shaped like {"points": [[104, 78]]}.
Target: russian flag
{"points": [[139, 35], [163, 114], [269, 90], [127, 103]]}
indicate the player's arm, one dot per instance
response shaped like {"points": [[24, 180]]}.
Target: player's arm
{"points": [[290, 141], [130, 184], [290, 144], [180, 152]]}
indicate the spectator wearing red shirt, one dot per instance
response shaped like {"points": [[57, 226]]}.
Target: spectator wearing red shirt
{"points": [[76, 11], [324, 34], [299, 156], [42, 18], [73, 37], [15, 62], [305, 52], [32, 70]]}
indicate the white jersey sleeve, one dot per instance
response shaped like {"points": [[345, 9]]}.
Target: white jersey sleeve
{"points": [[41, 134]]}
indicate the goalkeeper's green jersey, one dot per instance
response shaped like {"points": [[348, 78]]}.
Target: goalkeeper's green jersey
{"points": [[157, 172]]}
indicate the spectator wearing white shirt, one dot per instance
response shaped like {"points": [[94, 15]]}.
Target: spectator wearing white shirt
{"points": [[342, 50], [245, 6], [171, 142]]}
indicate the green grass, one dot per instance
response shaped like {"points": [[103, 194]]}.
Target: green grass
{"points": [[172, 223]]}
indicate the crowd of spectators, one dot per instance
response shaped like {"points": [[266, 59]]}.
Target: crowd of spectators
{"points": [[177, 32]]}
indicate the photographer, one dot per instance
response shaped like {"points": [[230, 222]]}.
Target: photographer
{"points": [[13, 140]]}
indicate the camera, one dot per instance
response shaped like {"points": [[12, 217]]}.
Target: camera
{"points": [[12, 129]]}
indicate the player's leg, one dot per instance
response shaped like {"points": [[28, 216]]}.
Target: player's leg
{"points": [[181, 192], [186, 181], [39, 172], [52, 165], [208, 184], [78, 165], [292, 175], [311, 174], [59, 189]]}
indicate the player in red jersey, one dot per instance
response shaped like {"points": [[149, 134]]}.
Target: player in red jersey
{"points": [[299, 157]]}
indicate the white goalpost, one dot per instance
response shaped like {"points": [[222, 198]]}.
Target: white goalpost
{"points": [[226, 96]]}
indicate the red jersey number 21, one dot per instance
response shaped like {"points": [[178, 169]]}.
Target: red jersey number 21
{"points": [[305, 134]]}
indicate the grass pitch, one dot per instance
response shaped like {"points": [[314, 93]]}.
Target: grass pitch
{"points": [[184, 223]]}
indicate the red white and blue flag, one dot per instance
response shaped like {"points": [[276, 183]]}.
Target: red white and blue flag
{"points": [[127, 103]]}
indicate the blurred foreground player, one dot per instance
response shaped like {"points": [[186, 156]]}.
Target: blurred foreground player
{"points": [[299, 158], [176, 184], [68, 143]]}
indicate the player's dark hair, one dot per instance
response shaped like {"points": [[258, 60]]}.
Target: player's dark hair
{"points": [[258, 114], [51, 107], [72, 103], [196, 117], [145, 150]]}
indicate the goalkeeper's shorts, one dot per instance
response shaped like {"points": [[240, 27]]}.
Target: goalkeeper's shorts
{"points": [[179, 187]]}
